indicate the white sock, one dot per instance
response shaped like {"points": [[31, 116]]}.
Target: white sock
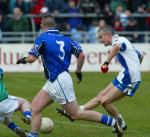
{"points": [[113, 122]]}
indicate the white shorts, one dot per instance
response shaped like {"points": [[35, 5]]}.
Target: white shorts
{"points": [[128, 89], [61, 90], [7, 107]]}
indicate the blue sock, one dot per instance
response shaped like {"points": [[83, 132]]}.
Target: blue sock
{"points": [[12, 126], [107, 120], [27, 114], [31, 134]]}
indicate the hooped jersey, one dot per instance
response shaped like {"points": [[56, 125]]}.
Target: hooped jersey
{"points": [[56, 51], [128, 57]]}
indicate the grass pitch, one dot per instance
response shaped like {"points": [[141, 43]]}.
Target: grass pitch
{"points": [[136, 110]]}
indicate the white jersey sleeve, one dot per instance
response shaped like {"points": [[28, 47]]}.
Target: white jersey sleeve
{"points": [[115, 40], [118, 41]]}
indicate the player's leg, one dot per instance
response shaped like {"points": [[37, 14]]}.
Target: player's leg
{"points": [[107, 100], [40, 101], [94, 102], [118, 92], [13, 126], [24, 106], [64, 95], [89, 115], [98, 98], [8, 106], [73, 109]]}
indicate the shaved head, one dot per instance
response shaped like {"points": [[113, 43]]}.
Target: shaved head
{"points": [[106, 30], [105, 35]]}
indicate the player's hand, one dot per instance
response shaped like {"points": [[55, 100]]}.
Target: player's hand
{"points": [[104, 67], [79, 76], [21, 61]]}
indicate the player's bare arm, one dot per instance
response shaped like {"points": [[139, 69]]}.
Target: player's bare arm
{"points": [[80, 62], [28, 59], [111, 55], [113, 52]]}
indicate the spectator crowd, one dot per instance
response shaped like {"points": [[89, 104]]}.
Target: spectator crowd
{"points": [[116, 13]]}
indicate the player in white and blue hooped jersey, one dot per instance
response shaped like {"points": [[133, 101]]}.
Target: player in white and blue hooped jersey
{"points": [[129, 78], [56, 50], [128, 57]]}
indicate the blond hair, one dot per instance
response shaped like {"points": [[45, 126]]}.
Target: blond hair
{"points": [[48, 21], [107, 29]]}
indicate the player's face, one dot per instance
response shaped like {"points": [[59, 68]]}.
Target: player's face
{"points": [[104, 38], [42, 27]]}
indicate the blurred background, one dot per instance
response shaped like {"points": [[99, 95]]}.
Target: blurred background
{"points": [[78, 19]]}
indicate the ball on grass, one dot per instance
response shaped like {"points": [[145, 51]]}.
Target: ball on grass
{"points": [[46, 125]]}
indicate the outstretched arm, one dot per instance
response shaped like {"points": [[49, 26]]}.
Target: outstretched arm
{"points": [[28, 59], [111, 55], [113, 52], [34, 53]]}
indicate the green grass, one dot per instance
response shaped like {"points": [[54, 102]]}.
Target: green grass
{"points": [[136, 110]]}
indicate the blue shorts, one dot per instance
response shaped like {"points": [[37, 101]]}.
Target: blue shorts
{"points": [[128, 89]]}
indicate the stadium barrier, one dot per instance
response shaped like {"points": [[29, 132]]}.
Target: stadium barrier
{"points": [[29, 37], [95, 56]]}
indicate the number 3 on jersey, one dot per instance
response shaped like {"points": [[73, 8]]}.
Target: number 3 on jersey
{"points": [[61, 44]]}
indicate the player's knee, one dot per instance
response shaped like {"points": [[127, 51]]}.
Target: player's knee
{"points": [[75, 115], [24, 100], [104, 102], [20, 102], [34, 109], [98, 99]]}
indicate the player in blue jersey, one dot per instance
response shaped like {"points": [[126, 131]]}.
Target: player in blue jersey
{"points": [[129, 78], [56, 51], [10, 104]]}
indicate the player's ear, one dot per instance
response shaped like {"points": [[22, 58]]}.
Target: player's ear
{"points": [[41, 25]]}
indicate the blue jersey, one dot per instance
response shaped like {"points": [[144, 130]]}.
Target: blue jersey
{"points": [[55, 50]]}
